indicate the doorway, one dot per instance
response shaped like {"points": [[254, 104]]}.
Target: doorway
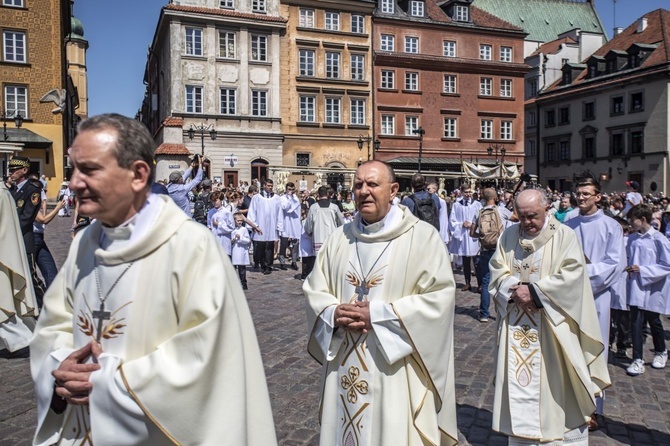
{"points": [[230, 177]]}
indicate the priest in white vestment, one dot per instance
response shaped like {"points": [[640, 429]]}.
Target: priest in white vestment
{"points": [[17, 297], [550, 360], [463, 213], [145, 336], [382, 330]]}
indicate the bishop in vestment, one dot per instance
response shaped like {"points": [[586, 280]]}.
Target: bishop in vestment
{"points": [[383, 330], [550, 359], [145, 337]]}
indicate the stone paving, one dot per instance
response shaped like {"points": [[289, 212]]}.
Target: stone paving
{"points": [[637, 410]]}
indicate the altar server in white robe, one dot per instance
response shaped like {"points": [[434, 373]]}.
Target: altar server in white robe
{"points": [[145, 336], [289, 226], [17, 297], [463, 213], [264, 211], [382, 330], [444, 214], [601, 239], [241, 241], [550, 358], [223, 224]]}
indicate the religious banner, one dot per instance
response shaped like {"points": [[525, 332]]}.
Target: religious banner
{"points": [[498, 172]]}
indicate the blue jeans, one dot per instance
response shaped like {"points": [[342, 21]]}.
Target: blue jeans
{"points": [[44, 259], [485, 301]]}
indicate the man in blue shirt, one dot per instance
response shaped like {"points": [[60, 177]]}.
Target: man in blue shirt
{"points": [[178, 188]]}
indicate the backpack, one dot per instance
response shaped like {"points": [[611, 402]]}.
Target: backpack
{"points": [[489, 228], [200, 208], [425, 209]]}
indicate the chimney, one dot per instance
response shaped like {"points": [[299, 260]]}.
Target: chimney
{"points": [[617, 30], [641, 24]]}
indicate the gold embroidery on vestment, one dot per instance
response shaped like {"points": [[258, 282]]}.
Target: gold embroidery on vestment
{"points": [[525, 336], [112, 329]]}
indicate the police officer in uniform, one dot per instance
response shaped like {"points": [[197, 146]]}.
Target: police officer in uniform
{"points": [[28, 197]]}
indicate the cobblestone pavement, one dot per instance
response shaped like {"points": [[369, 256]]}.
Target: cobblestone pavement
{"points": [[637, 410]]}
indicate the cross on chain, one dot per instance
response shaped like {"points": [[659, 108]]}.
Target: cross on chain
{"points": [[362, 290], [101, 315]]}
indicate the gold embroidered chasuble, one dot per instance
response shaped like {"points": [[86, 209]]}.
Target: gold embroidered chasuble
{"points": [[365, 399], [181, 328], [550, 364]]}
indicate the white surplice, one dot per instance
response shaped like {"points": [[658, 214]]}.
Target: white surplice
{"points": [[288, 220], [264, 212], [223, 224], [241, 241], [461, 243], [650, 288]]}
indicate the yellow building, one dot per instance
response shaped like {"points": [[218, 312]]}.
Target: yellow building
{"points": [[326, 77], [31, 67]]}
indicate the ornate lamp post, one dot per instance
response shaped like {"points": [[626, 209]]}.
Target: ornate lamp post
{"points": [[202, 129], [18, 121], [420, 131]]}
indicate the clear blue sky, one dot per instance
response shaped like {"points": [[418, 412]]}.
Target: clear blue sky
{"points": [[120, 31]]}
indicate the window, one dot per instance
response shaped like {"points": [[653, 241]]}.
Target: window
{"points": [[411, 44], [15, 46], [636, 141], [564, 150], [332, 65], [564, 115], [357, 67], [449, 48], [506, 88], [259, 102], [416, 8], [530, 148], [462, 13], [450, 128], [259, 48], [16, 3], [332, 21], [16, 100], [550, 118], [258, 5], [636, 102], [193, 41], [449, 84], [307, 109], [388, 6], [332, 110], [532, 119], [193, 99], [228, 101], [505, 53], [306, 62], [411, 80], [411, 124], [388, 124], [306, 18], [551, 152], [388, 79], [357, 112], [532, 88], [228, 4], [486, 129], [589, 147], [589, 111], [357, 24], [485, 52], [617, 106], [227, 46], [387, 42], [485, 86], [506, 130], [302, 159], [617, 144]]}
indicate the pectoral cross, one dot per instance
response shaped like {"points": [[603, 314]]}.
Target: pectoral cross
{"points": [[101, 315], [362, 290]]}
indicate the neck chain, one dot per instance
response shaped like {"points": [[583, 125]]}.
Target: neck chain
{"points": [[101, 314], [364, 288]]}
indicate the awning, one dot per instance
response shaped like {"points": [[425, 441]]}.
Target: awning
{"points": [[28, 138]]}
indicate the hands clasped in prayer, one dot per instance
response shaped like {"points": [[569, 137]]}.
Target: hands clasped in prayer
{"points": [[72, 377], [353, 317], [522, 297]]}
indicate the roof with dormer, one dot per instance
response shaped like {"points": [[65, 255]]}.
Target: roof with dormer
{"points": [[225, 13], [544, 20]]}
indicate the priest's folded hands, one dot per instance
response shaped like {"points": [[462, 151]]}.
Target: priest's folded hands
{"points": [[353, 317], [72, 377], [522, 297]]}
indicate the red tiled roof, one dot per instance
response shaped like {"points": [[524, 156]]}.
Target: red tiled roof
{"points": [[225, 12], [172, 149], [171, 121], [553, 46]]}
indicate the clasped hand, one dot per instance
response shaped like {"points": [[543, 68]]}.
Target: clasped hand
{"points": [[522, 297], [72, 377], [353, 317]]}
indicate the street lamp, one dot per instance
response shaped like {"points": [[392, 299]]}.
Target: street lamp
{"points": [[368, 139], [202, 129], [420, 131], [18, 121]]}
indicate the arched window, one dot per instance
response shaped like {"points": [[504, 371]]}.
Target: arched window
{"points": [[259, 169]]}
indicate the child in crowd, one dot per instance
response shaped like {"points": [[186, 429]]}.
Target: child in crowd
{"points": [[240, 248], [648, 254]]}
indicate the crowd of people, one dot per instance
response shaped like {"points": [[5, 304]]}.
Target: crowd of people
{"points": [[149, 307]]}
